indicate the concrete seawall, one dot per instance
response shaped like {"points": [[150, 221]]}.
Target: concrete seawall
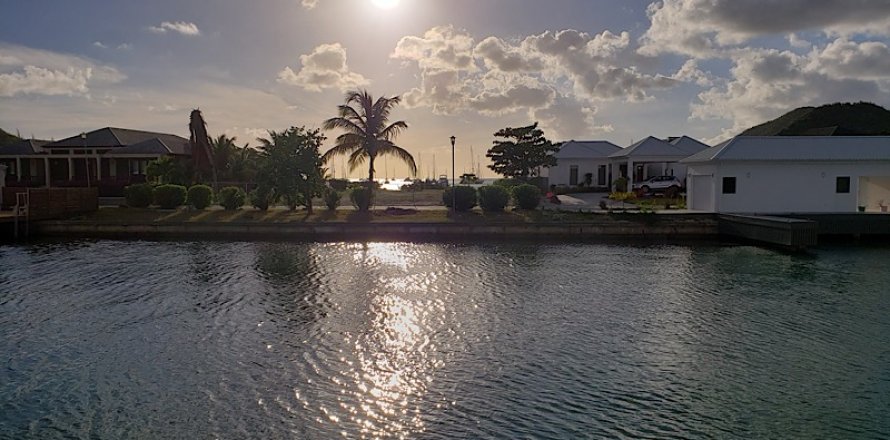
{"points": [[669, 227]]}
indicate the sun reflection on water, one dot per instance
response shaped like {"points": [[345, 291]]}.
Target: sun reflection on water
{"points": [[396, 358]]}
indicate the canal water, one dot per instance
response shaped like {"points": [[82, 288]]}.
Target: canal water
{"points": [[104, 339]]}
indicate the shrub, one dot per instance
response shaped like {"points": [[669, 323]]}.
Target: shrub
{"points": [[262, 197], [508, 183], [169, 196], [200, 196], [339, 184], [623, 196], [465, 197], [139, 195], [231, 198], [360, 198], [493, 198], [527, 196], [620, 184], [332, 199]]}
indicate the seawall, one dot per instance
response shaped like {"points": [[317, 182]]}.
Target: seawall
{"points": [[654, 227]]}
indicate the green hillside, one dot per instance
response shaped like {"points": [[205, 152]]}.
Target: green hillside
{"points": [[859, 119], [6, 138]]}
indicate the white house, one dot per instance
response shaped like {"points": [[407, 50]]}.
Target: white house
{"points": [[654, 157], [781, 175], [578, 161]]}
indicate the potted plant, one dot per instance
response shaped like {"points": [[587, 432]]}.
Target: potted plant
{"points": [[861, 209]]}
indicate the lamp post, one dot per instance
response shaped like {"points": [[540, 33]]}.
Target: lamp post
{"points": [[83, 138], [453, 199]]}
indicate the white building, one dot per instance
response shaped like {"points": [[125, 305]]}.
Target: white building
{"points": [[583, 162], [654, 157], [780, 175]]}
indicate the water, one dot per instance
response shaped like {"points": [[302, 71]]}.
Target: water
{"points": [[393, 340]]}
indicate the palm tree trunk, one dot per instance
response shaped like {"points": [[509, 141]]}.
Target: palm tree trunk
{"points": [[370, 183]]}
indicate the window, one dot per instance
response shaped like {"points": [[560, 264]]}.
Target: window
{"points": [[729, 185], [601, 176], [573, 175], [843, 185]]}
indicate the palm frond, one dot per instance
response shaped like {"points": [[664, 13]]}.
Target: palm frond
{"points": [[393, 130], [340, 149], [343, 123], [388, 149], [356, 159]]}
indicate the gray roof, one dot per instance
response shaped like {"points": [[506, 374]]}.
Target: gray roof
{"points": [[23, 147], [688, 144], [111, 137], [586, 150], [651, 147], [797, 148]]}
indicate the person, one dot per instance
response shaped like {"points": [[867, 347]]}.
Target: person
{"points": [[552, 197]]}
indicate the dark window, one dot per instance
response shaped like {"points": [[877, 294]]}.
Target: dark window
{"points": [[573, 175], [729, 185], [601, 176], [843, 185]]}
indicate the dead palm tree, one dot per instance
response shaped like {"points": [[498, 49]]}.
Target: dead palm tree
{"points": [[202, 154], [368, 134]]}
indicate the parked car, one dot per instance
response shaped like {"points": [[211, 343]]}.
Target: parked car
{"points": [[659, 184]]}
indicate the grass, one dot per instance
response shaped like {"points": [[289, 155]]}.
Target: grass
{"points": [[280, 215]]}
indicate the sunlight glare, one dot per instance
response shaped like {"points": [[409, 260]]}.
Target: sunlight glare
{"points": [[385, 4]]}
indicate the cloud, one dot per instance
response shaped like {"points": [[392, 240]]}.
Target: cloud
{"points": [[324, 68], [766, 83], [100, 45], [440, 48], [182, 27], [703, 27], [309, 4], [28, 71]]}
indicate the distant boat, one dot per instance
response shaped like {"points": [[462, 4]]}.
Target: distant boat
{"points": [[443, 180], [469, 179]]}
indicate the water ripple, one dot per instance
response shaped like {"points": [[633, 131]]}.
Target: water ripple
{"points": [[108, 339]]}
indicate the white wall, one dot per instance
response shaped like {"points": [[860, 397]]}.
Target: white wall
{"points": [[787, 187], [559, 175]]}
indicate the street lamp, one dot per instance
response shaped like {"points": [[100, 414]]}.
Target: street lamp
{"points": [[453, 199], [83, 138]]}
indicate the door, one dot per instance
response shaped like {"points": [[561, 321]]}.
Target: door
{"points": [[573, 175], [701, 194]]}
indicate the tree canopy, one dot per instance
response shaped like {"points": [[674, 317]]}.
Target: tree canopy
{"points": [[291, 165], [522, 152]]}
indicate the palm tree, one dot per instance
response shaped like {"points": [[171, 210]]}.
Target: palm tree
{"points": [[368, 134], [202, 156]]}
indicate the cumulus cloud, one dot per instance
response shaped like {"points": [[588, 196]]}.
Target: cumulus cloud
{"points": [[25, 70], [181, 27], [766, 83], [701, 27], [324, 68], [309, 4]]}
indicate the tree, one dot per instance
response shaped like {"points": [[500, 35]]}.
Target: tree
{"points": [[168, 169], [523, 153], [368, 134], [291, 165], [234, 163], [202, 154]]}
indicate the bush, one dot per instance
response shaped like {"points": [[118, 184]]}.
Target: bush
{"points": [[139, 195], [465, 197], [332, 199], [508, 183], [493, 198], [261, 198], [169, 196], [231, 198], [620, 184], [200, 196], [360, 198], [339, 184], [527, 196]]}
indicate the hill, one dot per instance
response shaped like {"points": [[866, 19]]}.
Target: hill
{"points": [[859, 119], [6, 138]]}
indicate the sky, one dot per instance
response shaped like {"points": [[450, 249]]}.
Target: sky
{"points": [[584, 69]]}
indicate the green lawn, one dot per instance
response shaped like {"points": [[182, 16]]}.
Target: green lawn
{"points": [[280, 215]]}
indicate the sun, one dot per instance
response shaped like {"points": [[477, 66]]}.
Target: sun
{"points": [[385, 4]]}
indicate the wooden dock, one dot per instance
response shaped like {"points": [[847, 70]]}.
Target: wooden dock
{"points": [[789, 233]]}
